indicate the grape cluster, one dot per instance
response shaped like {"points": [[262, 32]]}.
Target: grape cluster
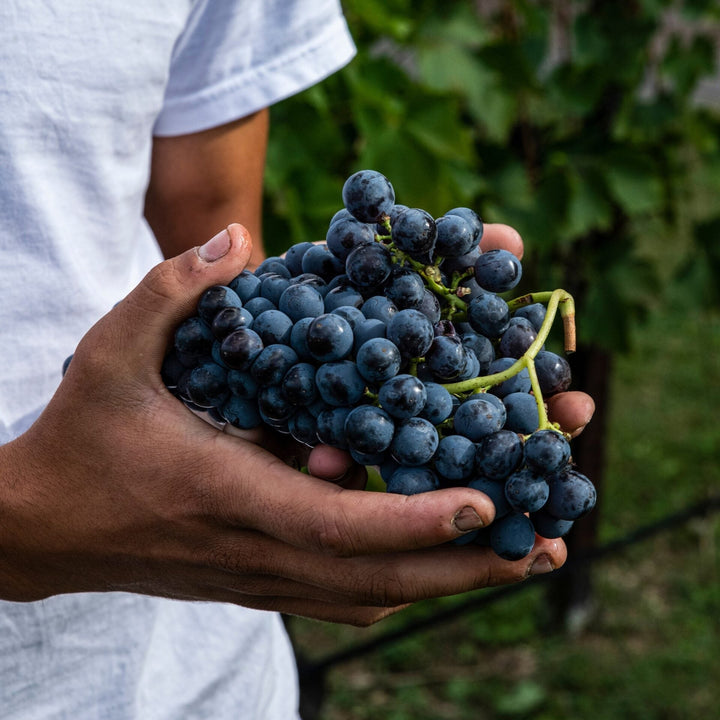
{"points": [[392, 340]]}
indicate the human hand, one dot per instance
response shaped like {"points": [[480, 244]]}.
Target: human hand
{"points": [[122, 489]]}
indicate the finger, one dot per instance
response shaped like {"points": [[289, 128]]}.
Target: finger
{"points": [[573, 410], [329, 463], [398, 578], [170, 291], [498, 236], [318, 515]]}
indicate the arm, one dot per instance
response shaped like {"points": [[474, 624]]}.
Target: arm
{"points": [[202, 182]]}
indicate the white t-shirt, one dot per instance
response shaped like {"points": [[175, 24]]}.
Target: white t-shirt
{"points": [[83, 88]]}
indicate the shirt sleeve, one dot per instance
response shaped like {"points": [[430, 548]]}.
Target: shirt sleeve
{"points": [[234, 58]]}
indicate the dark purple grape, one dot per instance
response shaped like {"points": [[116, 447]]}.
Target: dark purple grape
{"points": [[415, 442], [547, 451], [403, 396], [526, 490], [455, 236], [378, 360], [572, 495], [479, 416], [512, 537], [498, 270], [553, 373], [340, 383], [240, 348], [499, 454], [522, 412], [455, 457], [412, 480], [329, 338], [369, 265], [369, 430], [488, 314], [368, 195], [412, 332], [518, 337], [299, 301], [414, 232]]}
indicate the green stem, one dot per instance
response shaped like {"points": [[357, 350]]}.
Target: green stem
{"points": [[554, 300]]}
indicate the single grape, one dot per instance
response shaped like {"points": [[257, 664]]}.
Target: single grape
{"points": [[379, 308], [499, 454], [331, 426], [378, 360], [405, 288], [298, 384], [193, 338], [368, 330], [274, 406], [547, 451], [412, 480], [498, 270], [512, 537], [479, 416], [411, 331], [272, 264], [369, 265], [455, 236], [346, 234], [518, 383], [229, 319], [415, 442], [303, 427], [318, 260], [207, 385], [526, 490], [415, 232], [518, 337], [455, 457], [368, 195], [214, 299], [257, 305], [273, 326], [240, 348], [369, 429], [446, 358], [241, 413], [403, 396], [340, 383], [472, 218], [299, 301], [246, 285], [329, 338], [482, 347], [522, 412], [553, 373], [488, 314], [343, 295], [572, 495], [272, 287]]}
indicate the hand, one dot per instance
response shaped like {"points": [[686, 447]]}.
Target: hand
{"points": [[117, 487]]}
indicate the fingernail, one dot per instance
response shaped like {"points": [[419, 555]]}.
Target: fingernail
{"points": [[216, 247], [541, 566], [467, 519]]}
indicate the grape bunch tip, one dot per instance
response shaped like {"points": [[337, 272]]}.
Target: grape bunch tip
{"points": [[392, 340]]}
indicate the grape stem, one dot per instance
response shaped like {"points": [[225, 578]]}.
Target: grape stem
{"points": [[555, 299]]}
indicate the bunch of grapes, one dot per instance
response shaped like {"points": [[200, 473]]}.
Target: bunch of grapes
{"points": [[392, 340]]}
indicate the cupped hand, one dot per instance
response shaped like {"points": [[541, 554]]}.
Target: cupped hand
{"points": [[116, 487]]}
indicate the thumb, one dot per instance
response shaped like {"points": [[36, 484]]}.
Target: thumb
{"points": [[169, 292]]}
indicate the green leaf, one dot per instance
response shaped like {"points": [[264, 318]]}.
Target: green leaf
{"points": [[634, 182]]}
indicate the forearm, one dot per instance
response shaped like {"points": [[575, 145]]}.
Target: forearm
{"points": [[202, 182]]}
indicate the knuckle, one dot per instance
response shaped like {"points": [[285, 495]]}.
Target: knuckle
{"points": [[385, 589], [335, 536]]}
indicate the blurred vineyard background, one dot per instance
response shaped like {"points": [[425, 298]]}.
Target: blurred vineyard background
{"points": [[593, 128]]}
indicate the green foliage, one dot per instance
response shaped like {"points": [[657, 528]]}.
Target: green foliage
{"points": [[582, 145]]}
